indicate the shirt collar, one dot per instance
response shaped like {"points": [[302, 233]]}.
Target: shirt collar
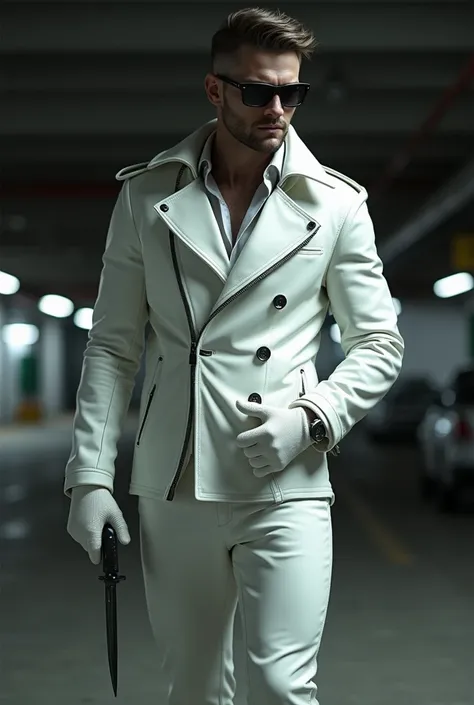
{"points": [[272, 173], [298, 160]]}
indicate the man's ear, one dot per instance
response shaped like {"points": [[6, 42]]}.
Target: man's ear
{"points": [[213, 88]]}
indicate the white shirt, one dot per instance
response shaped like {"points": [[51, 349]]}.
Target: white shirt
{"points": [[271, 178]]}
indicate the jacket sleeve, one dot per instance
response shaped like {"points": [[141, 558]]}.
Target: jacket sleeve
{"points": [[112, 355], [363, 308]]}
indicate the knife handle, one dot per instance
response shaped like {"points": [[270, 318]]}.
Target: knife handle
{"points": [[109, 549], [110, 555]]}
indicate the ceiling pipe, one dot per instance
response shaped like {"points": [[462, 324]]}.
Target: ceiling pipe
{"points": [[395, 167], [61, 190], [402, 158], [445, 202]]}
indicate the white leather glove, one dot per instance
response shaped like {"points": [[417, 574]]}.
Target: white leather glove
{"points": [[91, 508], [273, 444]]}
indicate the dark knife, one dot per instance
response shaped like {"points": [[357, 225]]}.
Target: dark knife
{"points": [[110, 579]]}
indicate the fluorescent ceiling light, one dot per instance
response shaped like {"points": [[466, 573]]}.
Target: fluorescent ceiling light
{"points": [[8, 284], [453, 285], [83, 318], [57, 306], [19, 335]]}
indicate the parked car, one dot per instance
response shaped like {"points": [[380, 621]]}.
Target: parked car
{"points": [[399, 414], [446, 439]]}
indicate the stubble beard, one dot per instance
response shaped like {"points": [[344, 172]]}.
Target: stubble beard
{"points": [[252, 138]]}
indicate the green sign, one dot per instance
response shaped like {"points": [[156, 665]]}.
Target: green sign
{"points": [[29, 376]]}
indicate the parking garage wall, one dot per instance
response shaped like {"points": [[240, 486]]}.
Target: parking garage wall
{"points": [[436, 339]]}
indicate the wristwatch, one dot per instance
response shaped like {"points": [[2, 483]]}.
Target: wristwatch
{"points": [[317, 430], [318, 433]]}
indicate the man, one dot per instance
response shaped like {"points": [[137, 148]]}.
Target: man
{"points": [[232, 245]]}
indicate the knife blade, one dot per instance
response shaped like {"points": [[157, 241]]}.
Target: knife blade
{"points": [[111, 578]]}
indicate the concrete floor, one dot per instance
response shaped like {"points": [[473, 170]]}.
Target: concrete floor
{"points": [[400, 629]]}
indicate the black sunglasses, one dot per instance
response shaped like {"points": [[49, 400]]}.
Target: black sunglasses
{"points": [[258, 95]]}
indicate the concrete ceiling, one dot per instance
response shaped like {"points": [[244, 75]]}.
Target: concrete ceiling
{"points": [[89, 87]]}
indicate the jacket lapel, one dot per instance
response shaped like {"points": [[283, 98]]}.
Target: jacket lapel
{"points": [[282, 227], [191, 217]]}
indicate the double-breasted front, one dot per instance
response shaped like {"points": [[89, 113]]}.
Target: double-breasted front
{"points": [[218, 333]]}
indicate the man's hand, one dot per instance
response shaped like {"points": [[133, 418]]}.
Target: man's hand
{"points": [[91, 508], [273, 444]]}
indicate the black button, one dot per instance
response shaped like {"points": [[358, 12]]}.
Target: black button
{"points": [[164, 207], [279, 301], [264, 354], [255, 398], [311, 225]]}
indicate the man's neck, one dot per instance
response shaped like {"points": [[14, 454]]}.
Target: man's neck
{"points": [[235, 166]]}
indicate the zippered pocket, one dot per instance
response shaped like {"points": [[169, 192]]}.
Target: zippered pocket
{"points": [[303, 383], [150, 399], [311, 251]]}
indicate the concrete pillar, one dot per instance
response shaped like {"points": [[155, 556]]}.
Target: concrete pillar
{"points": [[3, 368], [51, 366], [468, 309], [9, 368], [11, 388]]}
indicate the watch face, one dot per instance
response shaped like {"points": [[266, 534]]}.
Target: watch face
{"points": [[318, 432]]}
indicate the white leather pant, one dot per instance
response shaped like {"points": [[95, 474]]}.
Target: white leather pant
{"points": [[202, 559]]}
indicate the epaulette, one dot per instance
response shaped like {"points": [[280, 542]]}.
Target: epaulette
{"points": [[128, 171], [343, 177]]}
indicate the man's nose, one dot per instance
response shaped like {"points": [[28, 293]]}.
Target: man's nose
{"points": [[275, 107]]}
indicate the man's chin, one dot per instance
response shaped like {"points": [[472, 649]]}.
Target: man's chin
{"points": [[270, 143]]}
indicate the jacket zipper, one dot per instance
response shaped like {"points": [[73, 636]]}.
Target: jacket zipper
{"points": [[195, 338], [192, 355], [150, 399], [145, 415], [192, 363], [303, 386]]}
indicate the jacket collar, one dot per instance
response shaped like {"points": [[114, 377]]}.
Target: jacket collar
{"points": [[188, 214], [298, 162]]}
